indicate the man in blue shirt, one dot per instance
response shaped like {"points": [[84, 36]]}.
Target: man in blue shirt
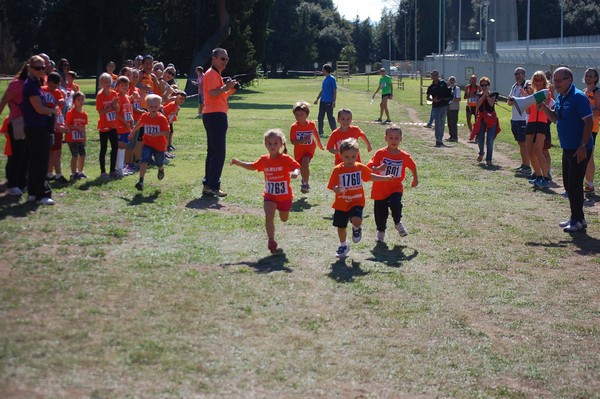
{"points": [[328, 96], [574, 121]]}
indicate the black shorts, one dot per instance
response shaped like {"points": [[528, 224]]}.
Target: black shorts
{"points": [[471, 110], [386, 96], [341, 218], [537, 127]]}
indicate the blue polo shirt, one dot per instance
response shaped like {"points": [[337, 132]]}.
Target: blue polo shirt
{"points": [[570, 110], [327, 89]]}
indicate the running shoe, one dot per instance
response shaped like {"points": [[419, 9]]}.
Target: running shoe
{"points": [[342, 251], [380, 236], [356, 234], [401, 229], [161, 174], [139, 185]]}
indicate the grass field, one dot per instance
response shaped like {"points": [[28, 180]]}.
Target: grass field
{"points": [[114, 293]]}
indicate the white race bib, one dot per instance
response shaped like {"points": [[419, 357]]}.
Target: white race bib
{"points": [[351, 180], [393, 167], [304, 135], [276, 187]]}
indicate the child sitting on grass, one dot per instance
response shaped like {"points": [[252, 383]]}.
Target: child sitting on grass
{"points": [[278, 169], [346, 181], [156, 129]]}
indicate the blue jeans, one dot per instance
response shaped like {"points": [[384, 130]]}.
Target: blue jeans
{"points": [[573, 174], [489, 141], [216, 125], [325, 108], [439, 117]]}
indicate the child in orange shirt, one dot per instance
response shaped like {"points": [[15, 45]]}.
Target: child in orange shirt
{"points": [[171, 109], [156, 129], [391, 160], [55, 98], [124, 124], [303, 134], [346, 181], [76, 120], [278, 169], [107, 105], [343, 132]]}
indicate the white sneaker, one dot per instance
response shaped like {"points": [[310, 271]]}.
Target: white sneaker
{"points": [[574, 226], [401, 229], [356, 234], [46, 201], [568, 223], [380, 236], [342, 251], [15, 192]]}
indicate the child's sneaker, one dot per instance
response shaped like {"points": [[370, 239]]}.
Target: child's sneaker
{"points": [[588, 188], [356, 234], [161, 174], [272, 246], [380, 236], [401, 229], [342, 251], [139, 185], [82, 175], [304, 188]]}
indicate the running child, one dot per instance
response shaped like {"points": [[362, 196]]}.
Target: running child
{"points": [[345, 131], [124, 124], [278, 169], [391, 160], [107, 105], [346, 181], [156, 129], [76, 121], [305, 138]]}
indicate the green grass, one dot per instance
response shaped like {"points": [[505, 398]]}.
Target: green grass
{"points": [[113, 293]]}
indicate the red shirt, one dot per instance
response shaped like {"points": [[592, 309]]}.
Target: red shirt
{"points": [[107, 121], [351, 180], [126, 111], [55, 98], [76, 118], [170, 110], [153, 129], [396, 166], [300, 132], [337, 136], [277, 176]]}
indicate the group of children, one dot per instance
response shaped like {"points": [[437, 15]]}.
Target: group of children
{"points": [[387, 169]]}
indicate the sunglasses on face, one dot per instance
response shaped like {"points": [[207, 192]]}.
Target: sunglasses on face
{"points": [[518, 73], [224, 58], [484, 85], [37, 68]]}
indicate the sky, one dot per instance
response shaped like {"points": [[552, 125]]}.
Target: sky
{"points": [[364, 8]]}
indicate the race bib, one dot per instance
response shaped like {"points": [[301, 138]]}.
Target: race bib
{"points": [[152, 130], [276, 187], [351, 180], [304, 136], [60, 119], [128, 116], [393, 167], [77, 135], [111, 116], [137, 105]]}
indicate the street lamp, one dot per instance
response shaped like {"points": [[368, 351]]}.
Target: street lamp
{"points": [[390, 41], [405, 13], [416, 38]]}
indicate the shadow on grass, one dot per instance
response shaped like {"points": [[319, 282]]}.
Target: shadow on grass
{"points": [[140, 198], [205, 202], [13, 207], [97, 182], [301, 205], [493, 167], [392, 257], [268, 264], [343, 273], [586, 244], [245, 105]]}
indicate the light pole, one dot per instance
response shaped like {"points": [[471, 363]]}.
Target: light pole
{"points": [[405, 13], [416, 38], [480, 33], [562, 6], [390, 41]]}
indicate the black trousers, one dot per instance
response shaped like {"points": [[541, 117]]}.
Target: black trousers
{"points": [[573, 175], [38, 148], [16, 165], [105, 137], [381, 207]]}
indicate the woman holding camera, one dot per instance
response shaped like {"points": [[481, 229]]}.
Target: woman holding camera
{"points": [[487, 121]]}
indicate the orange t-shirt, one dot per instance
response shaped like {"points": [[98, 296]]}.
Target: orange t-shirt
{"points": [[351, 180], [152, 131], [55, 98], [277, 176], [72, 88], [76, 118], [126, 111], [136, 102], [300, 132], [107, 121], [170, 110], [396, 166], [213, 80], [338, 136], [537, 115]]}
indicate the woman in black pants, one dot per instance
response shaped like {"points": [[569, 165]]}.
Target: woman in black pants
{"points": [[37, 119]]}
